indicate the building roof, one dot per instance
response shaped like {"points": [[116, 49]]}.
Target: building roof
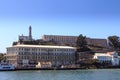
{"points": [[60, 36], [43, 46], [110, 53], [101, 54]]}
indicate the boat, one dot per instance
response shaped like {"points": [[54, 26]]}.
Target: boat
{"points": [[4, 66]]}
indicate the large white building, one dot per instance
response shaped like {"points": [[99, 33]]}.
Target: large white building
{"points": [[108, 57], [30, 55]]}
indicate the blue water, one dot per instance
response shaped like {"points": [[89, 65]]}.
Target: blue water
{"points": [[93, 74]]}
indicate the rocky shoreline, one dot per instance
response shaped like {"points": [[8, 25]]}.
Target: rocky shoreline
{"points": [[81, 68]]}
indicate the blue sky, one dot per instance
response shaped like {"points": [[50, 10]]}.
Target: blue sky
{"points": [[92, 18]]}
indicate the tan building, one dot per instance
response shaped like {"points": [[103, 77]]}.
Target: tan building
{"points": [[30, 55], [71, 40], [60, 39], [97, 42]]}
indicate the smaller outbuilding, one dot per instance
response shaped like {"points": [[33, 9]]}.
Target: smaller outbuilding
{"points": [[109, 57]]}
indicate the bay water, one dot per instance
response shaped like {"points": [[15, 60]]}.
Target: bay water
{"points": [[89, 74]]}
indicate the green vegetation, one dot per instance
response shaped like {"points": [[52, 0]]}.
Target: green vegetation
{"points": [[82, 44], [114, 42], [1, 57], [89, 62], [118, 53], [81, 41], [35, 42], [14, 43]]}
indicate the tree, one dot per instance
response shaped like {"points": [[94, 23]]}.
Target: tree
{"points": [[14, 43], [82, 44], [114, 42], [81, 41], [1, 57]]}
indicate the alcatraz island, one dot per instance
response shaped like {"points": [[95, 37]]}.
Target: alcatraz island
{"points": [[62, 52]]}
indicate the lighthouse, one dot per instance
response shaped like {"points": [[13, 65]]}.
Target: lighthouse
{"points": [[30, 33], [26, 38]]}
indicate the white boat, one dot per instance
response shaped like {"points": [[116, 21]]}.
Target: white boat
{"points": [[6, 66]]}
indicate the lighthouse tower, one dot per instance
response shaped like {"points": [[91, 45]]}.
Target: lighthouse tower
{"points": [[26, 38], [30, 33]]}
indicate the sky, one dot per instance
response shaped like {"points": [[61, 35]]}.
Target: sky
{"points": [[92, 18]]}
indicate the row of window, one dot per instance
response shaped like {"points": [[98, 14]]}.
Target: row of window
{"points": [[45, 58], [30, 53], [104, 58], [38, 49], [60, 38]]}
